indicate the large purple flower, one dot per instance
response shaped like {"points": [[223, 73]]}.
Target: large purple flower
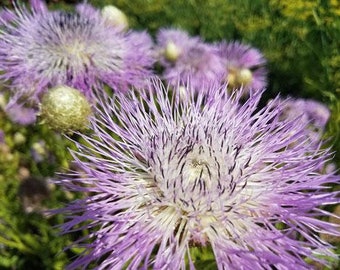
{"points": [[184, 57], [40, 49], [166, 174], [244, 66]]}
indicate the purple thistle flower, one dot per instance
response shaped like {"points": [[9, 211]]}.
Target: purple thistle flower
{"points": [[166, 174], [20, 114], [185, 57], [313, 113], [244, 66], [40, 49]]}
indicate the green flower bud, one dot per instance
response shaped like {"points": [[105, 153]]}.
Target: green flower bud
{"points": [[65, 109]]}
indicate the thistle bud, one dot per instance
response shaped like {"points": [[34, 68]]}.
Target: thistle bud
{"points": [[244, 76], [115, 17], [65, 109], [239, 77], [19, 138], [171, 52]]}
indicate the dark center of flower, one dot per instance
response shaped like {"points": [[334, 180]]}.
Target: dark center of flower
{"points": [[195, 174]]}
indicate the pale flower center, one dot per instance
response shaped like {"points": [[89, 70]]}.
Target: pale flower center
{"points": [[244, 76], [196, 172], [171, 52], [239, 77], [115, 17], [76, 51]]}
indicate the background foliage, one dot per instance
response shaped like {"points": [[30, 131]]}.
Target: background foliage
{"points": [[300, 39]]}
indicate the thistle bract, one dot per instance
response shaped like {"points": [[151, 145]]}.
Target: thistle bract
{"points": [[166, 174]]}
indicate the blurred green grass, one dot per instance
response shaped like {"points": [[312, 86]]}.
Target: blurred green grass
{"points": [[300, 39]]}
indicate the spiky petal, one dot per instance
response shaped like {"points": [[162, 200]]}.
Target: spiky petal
{"points": [[165, 174]]}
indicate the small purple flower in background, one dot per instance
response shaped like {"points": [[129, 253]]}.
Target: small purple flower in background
{"points": [[313, 113], [185, 57], [244, 66], [315, 116], [20, 114], [167, 174], [17, 112], [40, 49]]}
